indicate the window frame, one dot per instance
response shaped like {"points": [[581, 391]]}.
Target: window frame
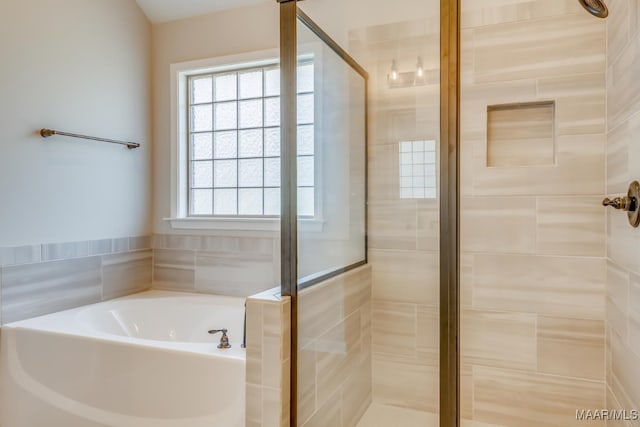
{"points": [[179, 169]]}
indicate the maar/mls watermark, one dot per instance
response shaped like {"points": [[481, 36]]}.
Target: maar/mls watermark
{"points": [[607, 414]]}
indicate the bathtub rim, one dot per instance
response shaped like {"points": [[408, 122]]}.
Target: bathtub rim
{"points": [[62, 323]]}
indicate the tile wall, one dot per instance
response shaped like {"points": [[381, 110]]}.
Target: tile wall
{"points": [[41, 279], [235, 266], [403, 232], [334, 360], [623, 259], [268, 360], [533, 235], [533, 254]]}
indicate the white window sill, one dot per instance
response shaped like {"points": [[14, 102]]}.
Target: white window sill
{"points": [[242, 225]]}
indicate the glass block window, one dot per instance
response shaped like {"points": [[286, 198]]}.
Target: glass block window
{"points": [[234, 142], [417, 169]]}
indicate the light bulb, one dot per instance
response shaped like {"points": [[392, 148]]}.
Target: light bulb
{"points": [[394, 70], [420, 68]]}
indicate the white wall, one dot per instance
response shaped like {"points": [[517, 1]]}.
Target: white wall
{"points": [[80, 66], [240, 30]]}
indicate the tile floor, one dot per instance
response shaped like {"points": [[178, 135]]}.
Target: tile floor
{"points": [[384, 416]]}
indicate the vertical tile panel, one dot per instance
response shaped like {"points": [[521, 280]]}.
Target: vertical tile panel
{"points": [[271, 407], [271, 344], [307, 375], [617, 298], [254, 342], [634, 313], [623, 92], [625, 371], [253, 411]]}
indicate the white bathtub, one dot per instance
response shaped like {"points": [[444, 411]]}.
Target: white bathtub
{"points": [[140, 361]]}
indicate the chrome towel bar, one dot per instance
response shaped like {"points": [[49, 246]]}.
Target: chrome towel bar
{"points": [[45, 133]]}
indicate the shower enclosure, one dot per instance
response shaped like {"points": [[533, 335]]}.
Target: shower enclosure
{"points": [[324, 134], [452, 267]]}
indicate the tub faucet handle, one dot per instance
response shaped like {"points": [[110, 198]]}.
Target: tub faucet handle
{"points": [[224, 339]]}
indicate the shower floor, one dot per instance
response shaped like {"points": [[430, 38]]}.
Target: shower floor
{"points": [[384, 416]]}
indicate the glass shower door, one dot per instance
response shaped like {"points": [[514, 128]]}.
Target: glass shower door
{"points": [[334, 339], [367, 342]]}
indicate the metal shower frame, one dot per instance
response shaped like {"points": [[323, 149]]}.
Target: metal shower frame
{"points": [[449, 194]]}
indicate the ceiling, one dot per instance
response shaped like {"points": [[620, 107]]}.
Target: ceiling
{"points": [[169, 10]]}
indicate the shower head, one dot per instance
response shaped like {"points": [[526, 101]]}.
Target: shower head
{"points": [[597, 8]]}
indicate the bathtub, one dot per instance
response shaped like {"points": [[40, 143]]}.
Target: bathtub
{"points": [[145, 360]]}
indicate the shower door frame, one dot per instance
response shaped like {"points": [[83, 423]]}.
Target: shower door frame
{"points": [[449, 316], [289, 16], [449, 368]]}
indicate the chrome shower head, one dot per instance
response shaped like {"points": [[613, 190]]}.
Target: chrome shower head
{"points": [[597, 8]]}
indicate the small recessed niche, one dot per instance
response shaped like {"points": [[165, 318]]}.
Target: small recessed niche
{"points": [[521, 134]]}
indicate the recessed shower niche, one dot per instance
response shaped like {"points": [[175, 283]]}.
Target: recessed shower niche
{"points": [[521, 134]]}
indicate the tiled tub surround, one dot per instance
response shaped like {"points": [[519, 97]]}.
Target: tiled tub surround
{"points": [[41, 279], [334, 357], [623, 166], [222, 265], [268, 360], [533, 233]]}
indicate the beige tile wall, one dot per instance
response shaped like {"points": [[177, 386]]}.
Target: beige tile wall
{"points": [[403, 233], [268, 360], [532, 262], [222, 265], [623, 153], [334, 366], [533, 235]]}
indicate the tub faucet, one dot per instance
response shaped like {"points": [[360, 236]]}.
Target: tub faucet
{"points": [[224, 339]]}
